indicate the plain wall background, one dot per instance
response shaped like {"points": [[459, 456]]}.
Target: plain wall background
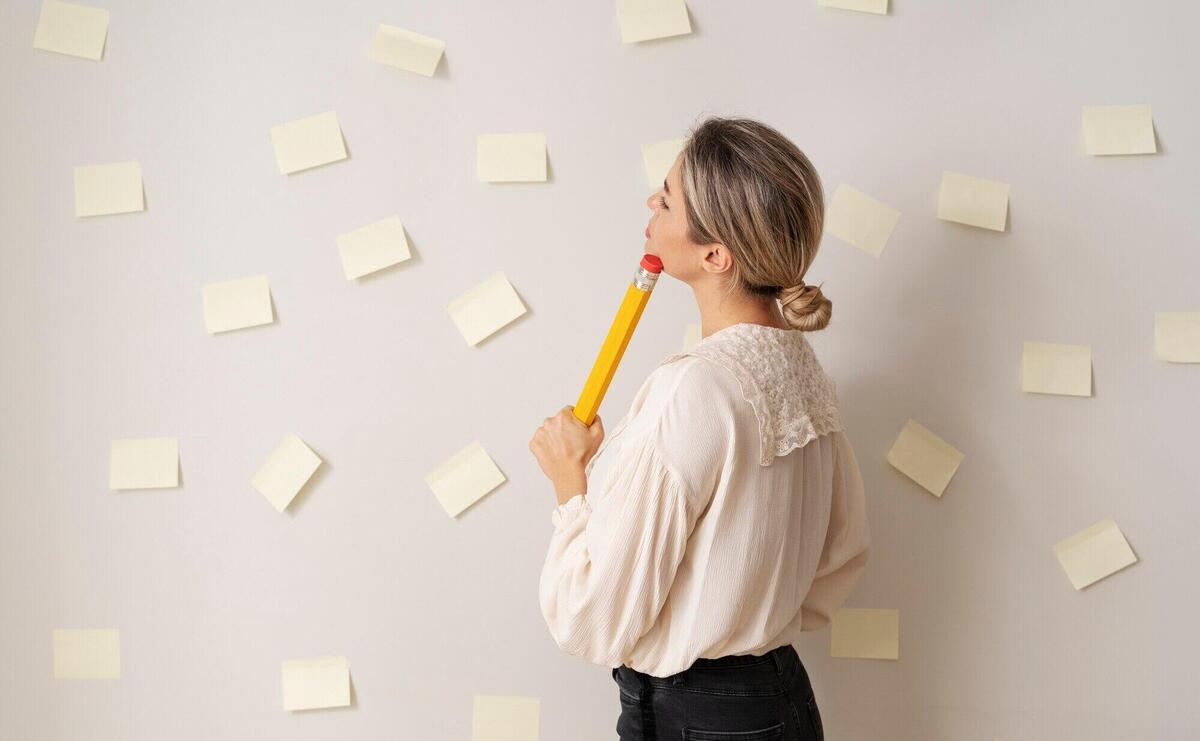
{"points": [[103, 338]]}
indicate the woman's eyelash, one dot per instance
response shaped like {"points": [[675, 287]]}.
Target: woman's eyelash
{"points": [[662, 201]]}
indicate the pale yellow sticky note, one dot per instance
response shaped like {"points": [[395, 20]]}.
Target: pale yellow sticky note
{"points": [[1092, 554], [288, 469], [373, 247], [643, 20], [144, 463], [658, 158], [510, 158], [506, 718], [67, 28], [859, 220], [486, 308], [1118, 129], [407, 50], [1048, 368], [108, 189], [865, 6], [858, 633], [316, 683], [1177, 336], [973, 201], [308, 142], [924, 457], [237, 303], [87, 653], [464, 478], [691, 337]]}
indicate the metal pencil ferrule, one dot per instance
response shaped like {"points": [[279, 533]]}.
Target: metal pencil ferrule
{"points": [[644, 279]]}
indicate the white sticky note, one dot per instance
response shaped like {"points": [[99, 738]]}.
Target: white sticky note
{"points": [[1092, 554], [658, 158], [308, 142], [859, 220], [1118, 129], [973, 201], [691, 337], [373, 247], [510, 158], [87, 653], [924, 457], [316, 683], [486, 308], [1177, 336], [857, 633], [464, 478], [288, 469], [643, 20], [505, 718], [865, 6], [407, 50], [67, 28], [108, 189], [237, 303], [1048, 368], [144, 463]]}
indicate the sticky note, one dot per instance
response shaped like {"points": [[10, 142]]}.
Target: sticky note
{"points": [[505, 718], [87, 653], [407, 50], [287, 471], [643, 20], [76, 30], [144, 463], [373, 247], [1118, 129], [510, 158], [973, 201], [316, 683], [924, 457], [464, 478], [859, 220], [486, 308], [865, 6], [691, 337], [1092, 554], [1048, 368], [1177, 336], [658, 158], [237, 304], [108, 189], [308, 142], [857, 633]]}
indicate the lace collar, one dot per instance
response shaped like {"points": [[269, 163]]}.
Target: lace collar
{"points": [[793, 399]]}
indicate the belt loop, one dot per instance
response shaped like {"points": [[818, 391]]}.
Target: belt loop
{"points": [[775, 657]]}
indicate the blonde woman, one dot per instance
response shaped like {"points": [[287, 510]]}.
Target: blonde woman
{"points": [[725, 513]]}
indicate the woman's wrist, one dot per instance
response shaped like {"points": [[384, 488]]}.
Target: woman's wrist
{"points": [[570, 484]]}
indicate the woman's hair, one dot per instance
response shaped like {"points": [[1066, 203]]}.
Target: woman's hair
{"points": [[749, 188]]}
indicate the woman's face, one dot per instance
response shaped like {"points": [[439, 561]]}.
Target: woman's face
{"points": [[667, 232]]}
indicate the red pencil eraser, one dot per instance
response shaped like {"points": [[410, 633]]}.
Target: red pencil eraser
{"points": [[652, 263]]}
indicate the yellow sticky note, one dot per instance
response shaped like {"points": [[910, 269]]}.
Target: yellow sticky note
{"points": [[505, 718], [924, 457], [1118, 129], [237, 303], [859, 220], [87, 653], [67, 28], [1177, 336], [316, 683], [308, 142], [1048, 368], [510, 158], [289, 468], [858, 633], [464, 478], [407, 50], [108, 189], [144, 463], [486, 308], [643, 20], [865, 6], [373, 247], [1092, 554], [973, 201], [658, 158]]}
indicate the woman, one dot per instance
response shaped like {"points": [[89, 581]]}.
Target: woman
{"points": [[728, 513]]}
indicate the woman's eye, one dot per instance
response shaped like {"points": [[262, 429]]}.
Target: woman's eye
{"points": [[662, 201]]}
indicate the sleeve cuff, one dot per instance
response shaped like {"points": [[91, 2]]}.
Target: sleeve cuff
{"points": [[569, 510]]}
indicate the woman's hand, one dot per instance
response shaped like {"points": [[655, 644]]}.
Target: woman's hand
{"points": [[563, 446]]}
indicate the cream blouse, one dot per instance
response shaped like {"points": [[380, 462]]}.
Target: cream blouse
{"points": [[724, 513]]}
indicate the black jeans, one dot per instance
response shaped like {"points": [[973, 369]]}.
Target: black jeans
{"points": [[733, 698]]}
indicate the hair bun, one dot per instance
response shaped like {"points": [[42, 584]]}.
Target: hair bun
{"points": [[805, 307]]}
